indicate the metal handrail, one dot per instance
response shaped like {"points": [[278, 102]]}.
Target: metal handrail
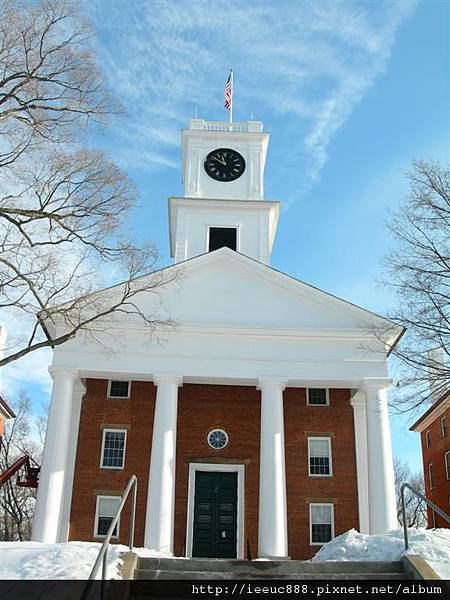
{"points": [[433, 507], [103, 554]]}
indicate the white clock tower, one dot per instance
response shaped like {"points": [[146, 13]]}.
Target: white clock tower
{"points": [[223, 204]]}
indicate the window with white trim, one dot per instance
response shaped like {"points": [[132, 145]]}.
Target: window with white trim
{"points": [[118, 388], [447, 464], [428, 439], [444, 427], [321, 519], [319, 457], [431, 476], [104, 513], [113, 448], [317, 396]]}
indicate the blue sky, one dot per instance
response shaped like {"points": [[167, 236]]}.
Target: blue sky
{"points": [[351, 92]]}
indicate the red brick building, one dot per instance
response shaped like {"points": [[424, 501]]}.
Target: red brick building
{"points": [[258, 422], [433, 427]]}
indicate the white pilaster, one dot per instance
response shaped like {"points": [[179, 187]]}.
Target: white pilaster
{"points": [[382, 508], [159, 520], [358, 402], [50, 495], [272, 536]]}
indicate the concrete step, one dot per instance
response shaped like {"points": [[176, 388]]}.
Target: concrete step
{"points": [[262, 568], [246, 575]]}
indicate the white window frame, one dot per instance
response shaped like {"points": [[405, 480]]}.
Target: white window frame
{"points": [[221, 226], [104, 497], [119, 397], [447, 464], [431, 476], [442, 428], [427, 439], [311, 505], [316, 438], [105, 431], [327, 395]]}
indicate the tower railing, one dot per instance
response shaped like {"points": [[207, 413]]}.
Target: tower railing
{"points": [[234, 126], [433, 507]]}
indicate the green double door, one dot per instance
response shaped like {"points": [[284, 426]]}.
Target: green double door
{"points": [[215, 515]]}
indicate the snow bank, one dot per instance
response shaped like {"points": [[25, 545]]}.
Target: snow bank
{"points": [[72, 560], [431, 544]]}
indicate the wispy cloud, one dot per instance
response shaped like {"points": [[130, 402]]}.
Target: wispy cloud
{"points": [[307, 62]]}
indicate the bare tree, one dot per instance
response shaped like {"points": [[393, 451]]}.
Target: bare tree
{"points": [[416, 511], [63, 206], [17, 503], [418, 270]]}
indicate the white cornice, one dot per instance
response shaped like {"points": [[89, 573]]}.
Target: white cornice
{"points": [[434, 414]]}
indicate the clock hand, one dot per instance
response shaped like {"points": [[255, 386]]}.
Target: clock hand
{"points": [[221, 161]]}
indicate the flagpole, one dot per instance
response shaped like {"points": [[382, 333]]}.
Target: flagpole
{"points": [[232, 91]]}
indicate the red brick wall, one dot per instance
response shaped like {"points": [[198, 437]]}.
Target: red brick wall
{"points": [[202, 408], [236, 409], [98, 412], [335, 420], [440, 495]]}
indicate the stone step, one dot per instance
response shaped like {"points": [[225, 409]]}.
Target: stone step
{"points": [[262, 567], [142, 574]]}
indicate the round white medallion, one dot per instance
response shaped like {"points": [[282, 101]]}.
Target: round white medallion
{"points": [[217, 439]]}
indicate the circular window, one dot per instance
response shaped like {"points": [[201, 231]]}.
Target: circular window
{"points": [[217, 439]]}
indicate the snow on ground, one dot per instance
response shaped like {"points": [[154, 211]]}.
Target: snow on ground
{"points": [[431, 544], [73, 560]]}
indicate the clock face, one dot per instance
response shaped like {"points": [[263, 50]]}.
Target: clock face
{"points": [[224, 164]]}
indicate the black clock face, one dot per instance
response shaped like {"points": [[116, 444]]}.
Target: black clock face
{"points": [[224, 164]]}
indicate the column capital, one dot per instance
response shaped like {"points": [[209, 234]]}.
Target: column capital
{"points": [[68, 372], [375, 383], [175, 378], [358, 399], [277, 382]]}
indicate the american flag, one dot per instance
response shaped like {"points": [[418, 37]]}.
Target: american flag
{"points": [[229, 91]]}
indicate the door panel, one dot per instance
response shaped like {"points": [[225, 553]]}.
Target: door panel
{"points": [[215, 515]]}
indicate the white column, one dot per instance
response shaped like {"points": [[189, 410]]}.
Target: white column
{"points": [[159, 520], [382, 508], [50, 495], [358, 402], [78, 393], [272, 534]]}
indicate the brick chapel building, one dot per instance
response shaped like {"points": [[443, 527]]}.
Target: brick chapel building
{"points": [[260, 422], [434, 435]]}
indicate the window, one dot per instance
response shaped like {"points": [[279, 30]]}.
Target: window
{"points": [[319, 456], [428, 439], [113, 448], [118, 389], [217, 439], [321, 518], [317, 396], [431, 476], [447, 464], [222, 236], [105, 511], [444, 427]]}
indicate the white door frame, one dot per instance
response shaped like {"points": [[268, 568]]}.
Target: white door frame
{"points": [[227, 468]]}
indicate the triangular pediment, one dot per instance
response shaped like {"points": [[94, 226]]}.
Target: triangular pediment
{"points": [[227, 289]]}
